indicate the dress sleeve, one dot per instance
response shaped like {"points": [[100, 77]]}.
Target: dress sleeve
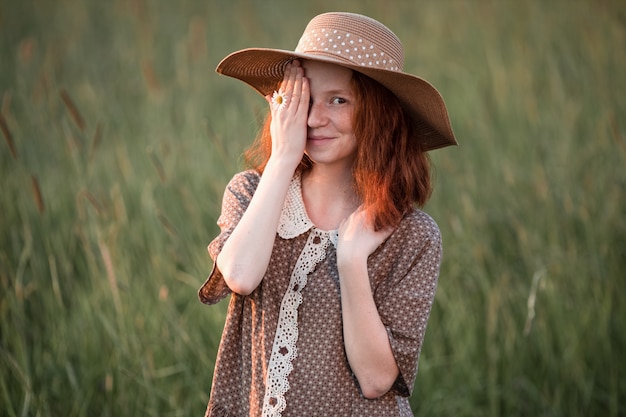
{"points": [[406, 271], [237, 196]]}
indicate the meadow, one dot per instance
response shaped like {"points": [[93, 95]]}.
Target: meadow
{"points": [[117, 139]]}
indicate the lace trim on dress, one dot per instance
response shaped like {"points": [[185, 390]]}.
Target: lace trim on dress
{"points": [[293, 218], [284, 350], [294, 221]]}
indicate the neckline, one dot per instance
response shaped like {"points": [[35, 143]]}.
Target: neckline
{"points": [[294, 220]]}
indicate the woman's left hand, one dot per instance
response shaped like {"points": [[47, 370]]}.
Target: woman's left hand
{"points": [[365, 337], [357, 237]]}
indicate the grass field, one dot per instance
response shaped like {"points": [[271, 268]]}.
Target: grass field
{"points": [[118, 139]]}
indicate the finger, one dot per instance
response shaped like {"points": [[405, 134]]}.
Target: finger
{"points": [[278, 99], [295, 69], [282, 91], [289, 79], [296, 92], [305, 97]]}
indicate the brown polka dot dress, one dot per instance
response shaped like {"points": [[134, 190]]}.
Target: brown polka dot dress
{"points": [[282, 351]]}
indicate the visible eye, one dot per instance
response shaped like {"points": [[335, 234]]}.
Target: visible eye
{"points": [[338, 100]]}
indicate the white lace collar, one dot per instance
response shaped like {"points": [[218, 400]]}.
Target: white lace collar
{"points": [[294, 220]]}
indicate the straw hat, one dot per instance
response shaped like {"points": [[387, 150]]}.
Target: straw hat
{"points": [[362, 44]]}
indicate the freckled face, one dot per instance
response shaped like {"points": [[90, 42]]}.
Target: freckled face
{"points": [[330, 134]]}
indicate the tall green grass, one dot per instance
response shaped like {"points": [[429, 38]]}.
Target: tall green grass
{"points": [[118, 139]]}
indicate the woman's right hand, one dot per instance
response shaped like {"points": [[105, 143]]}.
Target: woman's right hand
{"points": [[246, 254], [289, 121]]}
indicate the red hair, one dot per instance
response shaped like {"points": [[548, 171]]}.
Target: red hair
{"points": [[391, 170]]}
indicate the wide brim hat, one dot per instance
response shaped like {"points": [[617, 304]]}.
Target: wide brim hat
{"points": [[362, 44]]}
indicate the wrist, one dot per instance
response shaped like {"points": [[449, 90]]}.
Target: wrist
{"points": [[351, 265], [282, 164]]}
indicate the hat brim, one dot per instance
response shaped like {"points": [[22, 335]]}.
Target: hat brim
{"points": [[263, 69]]}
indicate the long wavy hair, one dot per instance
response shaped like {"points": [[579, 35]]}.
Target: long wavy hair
{"points": [[391, 170]]}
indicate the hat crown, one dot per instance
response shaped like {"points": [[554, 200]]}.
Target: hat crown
{"points": [[354, 39]]}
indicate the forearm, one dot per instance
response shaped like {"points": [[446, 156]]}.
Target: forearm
{"points": [[365, 337], [246, 254]]}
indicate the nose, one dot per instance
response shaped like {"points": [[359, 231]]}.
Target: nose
{"points": [[317, 115]]}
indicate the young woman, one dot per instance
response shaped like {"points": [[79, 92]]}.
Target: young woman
{"points": [[330, 266]]}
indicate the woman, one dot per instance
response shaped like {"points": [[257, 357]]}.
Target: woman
{"points": [[330, 267]]}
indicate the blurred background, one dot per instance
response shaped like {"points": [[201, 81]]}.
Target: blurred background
{"points": [[117, 139]]}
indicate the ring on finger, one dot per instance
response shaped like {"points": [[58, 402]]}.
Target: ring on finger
{"points": [[279, 99]]}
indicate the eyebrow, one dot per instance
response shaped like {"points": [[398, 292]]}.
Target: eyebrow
{"points": [[340, 91]]}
